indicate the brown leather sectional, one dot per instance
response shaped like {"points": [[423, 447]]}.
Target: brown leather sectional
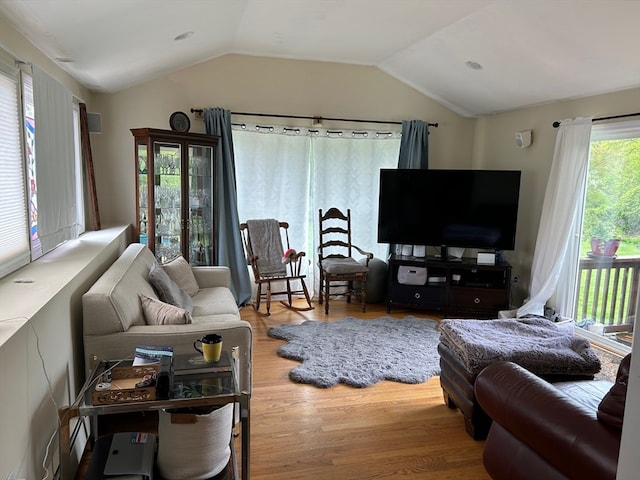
{"points": [[564, 430]]}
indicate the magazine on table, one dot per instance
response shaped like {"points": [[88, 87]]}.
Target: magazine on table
{"points": [[151, 354]]}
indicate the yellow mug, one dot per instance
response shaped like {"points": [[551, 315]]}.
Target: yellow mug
{"points": [[211, 347]]}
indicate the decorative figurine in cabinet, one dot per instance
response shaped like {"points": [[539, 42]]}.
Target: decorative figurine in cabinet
{"points": [[174, 194]]}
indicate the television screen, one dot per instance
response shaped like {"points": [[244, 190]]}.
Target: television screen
{"points": [[453, 208]]}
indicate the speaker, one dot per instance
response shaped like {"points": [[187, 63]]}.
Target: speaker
{"points": [[523, 139], [94, 122], [407, 250]]}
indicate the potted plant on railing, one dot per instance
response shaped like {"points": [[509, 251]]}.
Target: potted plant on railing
{"points": [[604, 248]]}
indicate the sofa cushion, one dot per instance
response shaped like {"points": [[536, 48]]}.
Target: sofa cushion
{"points": [[168, 291], [611, 408], [160, 313], [180, 272], [112, 303], [214, 301]]}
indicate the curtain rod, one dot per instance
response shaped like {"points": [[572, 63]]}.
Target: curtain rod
{"points": [[305, 117], [557, 124]]}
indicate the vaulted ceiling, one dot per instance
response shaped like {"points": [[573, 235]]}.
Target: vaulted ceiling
{"points": [[476, 57]]}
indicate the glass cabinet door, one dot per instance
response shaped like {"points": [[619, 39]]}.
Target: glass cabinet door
{"points": [[167, 188], [200, 166], [174, 194], [142, 163]]}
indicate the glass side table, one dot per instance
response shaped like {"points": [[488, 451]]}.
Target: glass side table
{"points": [[193, 390]]}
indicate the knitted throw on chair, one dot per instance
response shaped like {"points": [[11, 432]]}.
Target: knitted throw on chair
{"points": [[266, 244]]}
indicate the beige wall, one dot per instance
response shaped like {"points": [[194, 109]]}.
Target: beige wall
{"points": [[263, 85], [243, 83], [269, 85], [19, 47], [494, 147]]}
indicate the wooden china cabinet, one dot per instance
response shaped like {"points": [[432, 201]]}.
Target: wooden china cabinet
{"points": [[174, 194]]}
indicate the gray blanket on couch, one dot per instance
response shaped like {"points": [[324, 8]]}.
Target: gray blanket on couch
{"points": [[537, 344]]}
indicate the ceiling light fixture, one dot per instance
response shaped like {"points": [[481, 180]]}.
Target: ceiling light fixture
{"points": [[183, 36], [473, 65]]}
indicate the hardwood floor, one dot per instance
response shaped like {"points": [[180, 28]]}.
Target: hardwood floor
{"points": [[385, 431], [301, 432]]}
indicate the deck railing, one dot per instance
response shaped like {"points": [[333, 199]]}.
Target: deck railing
{"points": [[608, 291]]}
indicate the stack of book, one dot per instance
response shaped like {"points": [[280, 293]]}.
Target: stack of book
{"points": [[195, 364]]}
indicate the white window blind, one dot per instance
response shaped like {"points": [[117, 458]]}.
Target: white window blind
{"points": [[14, 237]]}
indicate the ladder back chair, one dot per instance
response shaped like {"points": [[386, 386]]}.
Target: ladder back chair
{"points": [[338, 269], [271, 264]]}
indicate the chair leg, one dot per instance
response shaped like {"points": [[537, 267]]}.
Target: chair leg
{"points": [[326, 300], [268, 298], [289, 293], [320, 290], [363, 294], [306, 293], [258, 297], [349, 290]]}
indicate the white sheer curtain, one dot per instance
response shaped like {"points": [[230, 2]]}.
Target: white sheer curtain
{"points": [[55, 161], [567, 286], [290, 173], [561, 204], [346, 174]]}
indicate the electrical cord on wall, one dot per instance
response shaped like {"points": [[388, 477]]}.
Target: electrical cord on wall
{"points": [[47, 473]]}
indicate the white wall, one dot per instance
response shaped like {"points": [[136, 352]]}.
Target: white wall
{"points": [[41, 318], [494, 147], [41, 362], [263, 85], [255, 84]]}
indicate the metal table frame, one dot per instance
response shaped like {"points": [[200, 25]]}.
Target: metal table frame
{"points": [[83, 407]]}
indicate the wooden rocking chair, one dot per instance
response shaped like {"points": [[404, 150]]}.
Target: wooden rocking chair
{"points": [[271, 264]]}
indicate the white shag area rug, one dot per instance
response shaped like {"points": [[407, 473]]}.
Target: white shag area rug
{"points": [[359, 352]]}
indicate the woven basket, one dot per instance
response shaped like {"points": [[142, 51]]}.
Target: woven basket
{"points": [[194, 446]]}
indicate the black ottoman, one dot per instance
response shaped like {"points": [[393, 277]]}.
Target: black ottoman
{"points": [[458, 390]]}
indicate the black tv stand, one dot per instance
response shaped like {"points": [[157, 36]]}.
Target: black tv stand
{"points": [[458, 287]]}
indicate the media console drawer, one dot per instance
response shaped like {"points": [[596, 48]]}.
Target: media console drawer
{"points": [[459, 287], [417, 295], [477, 299]]}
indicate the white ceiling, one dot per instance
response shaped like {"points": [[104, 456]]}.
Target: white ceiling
{"points": [[531, 51]]}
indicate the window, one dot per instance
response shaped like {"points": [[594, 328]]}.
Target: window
{"points": [[291, 173], [14, 239], [41, 190], [608, 251]]}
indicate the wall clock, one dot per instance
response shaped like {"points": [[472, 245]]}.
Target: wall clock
{"points": [[179, 121]]}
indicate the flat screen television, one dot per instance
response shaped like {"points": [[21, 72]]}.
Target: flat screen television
{"points": [[449, 208]]}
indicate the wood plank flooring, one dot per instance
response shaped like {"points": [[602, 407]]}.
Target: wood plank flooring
{"points": [[388, 430], [301, 432]]}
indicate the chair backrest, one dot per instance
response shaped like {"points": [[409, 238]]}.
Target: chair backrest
{"points": [[335, 234], [262, 240]]}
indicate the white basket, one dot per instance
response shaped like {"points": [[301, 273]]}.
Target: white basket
{"points": [[192, 446]]}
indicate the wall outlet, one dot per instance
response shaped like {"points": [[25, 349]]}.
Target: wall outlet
{"points": [[516, 279]]}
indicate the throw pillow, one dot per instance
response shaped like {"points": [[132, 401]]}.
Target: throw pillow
{"points": [[159, 313], [180, 272], [168, 291]]}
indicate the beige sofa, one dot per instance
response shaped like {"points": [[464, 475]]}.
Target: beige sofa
{"points": [[114, 323]]}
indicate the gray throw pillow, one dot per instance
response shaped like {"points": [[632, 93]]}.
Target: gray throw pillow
{"points": [[160, 313], [180, 272], [167, 290]]}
